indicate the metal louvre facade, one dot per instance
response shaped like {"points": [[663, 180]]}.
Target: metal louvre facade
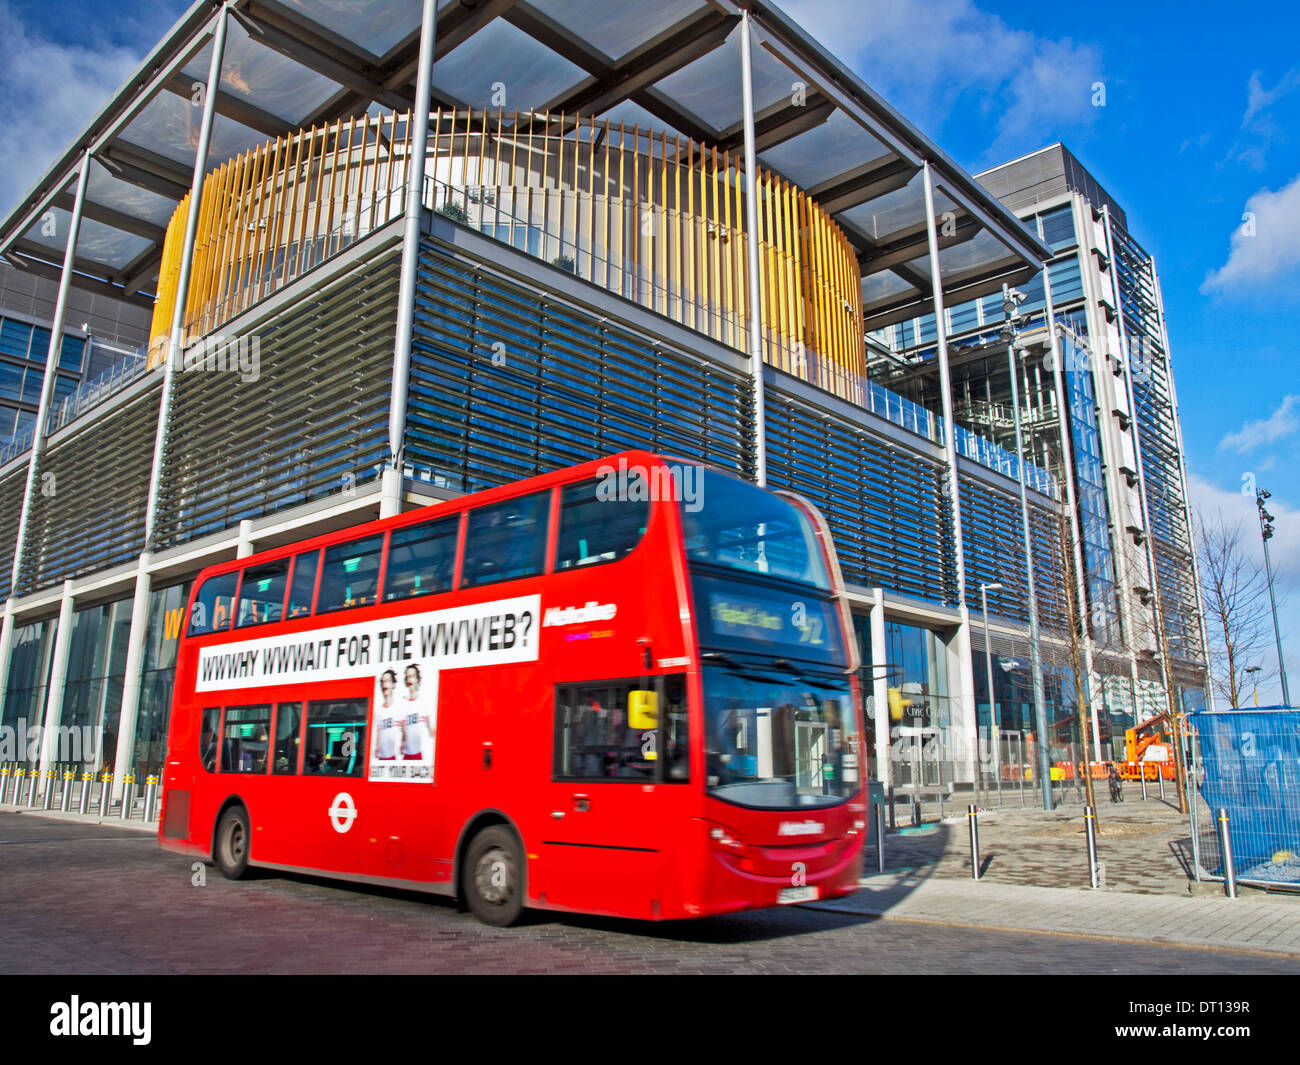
{"points": [[1156, 422], [312, 424], [11, 505], [507, 382], [885, 504], [92, 483]]}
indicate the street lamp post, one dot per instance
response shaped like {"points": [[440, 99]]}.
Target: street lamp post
{"points": [[1266, 532], [995, 723], [1253, 680]]}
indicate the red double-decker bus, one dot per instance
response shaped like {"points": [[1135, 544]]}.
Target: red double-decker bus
{"points": [[624, 688]]}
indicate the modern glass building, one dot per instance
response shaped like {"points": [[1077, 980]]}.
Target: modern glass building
{"points": [[370, 257]]}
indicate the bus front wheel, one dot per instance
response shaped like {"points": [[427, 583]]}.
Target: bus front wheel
{"points": [[494, 877], [231, 850]]}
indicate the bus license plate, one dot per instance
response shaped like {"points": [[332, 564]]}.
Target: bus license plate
{"points": [[796, 894]]}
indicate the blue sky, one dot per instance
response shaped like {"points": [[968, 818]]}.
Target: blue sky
{"points": [[1201, 125]]}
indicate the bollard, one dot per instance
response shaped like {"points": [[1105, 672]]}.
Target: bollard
{"points": [[893, 817], [974, 842], [150, 797], [1225, 843], [916, 812], [1144, 781], [32, 776], [87, 782], [105, 792], [4, 781], [128, 795], [1091, 827], [880, 839], [47, 799], [1160, 774], [17, 790], [66, 797]]}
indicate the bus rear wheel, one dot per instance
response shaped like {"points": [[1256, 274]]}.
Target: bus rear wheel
{"points": [[494, 877], [231, 850]]}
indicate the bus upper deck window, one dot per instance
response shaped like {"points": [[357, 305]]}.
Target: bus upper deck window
{"points": [[421, 559], [212, 606], [598, 526], [261, 595], [303, 586], [506, 541], [350, 574]]}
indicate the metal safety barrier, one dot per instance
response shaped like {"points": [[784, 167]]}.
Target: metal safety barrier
{"points": [[1244, 770]]}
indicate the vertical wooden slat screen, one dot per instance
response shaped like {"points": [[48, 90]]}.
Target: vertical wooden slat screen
{"points": [[660, 222]]}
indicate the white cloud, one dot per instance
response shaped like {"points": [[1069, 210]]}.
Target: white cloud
{"points": [[50, 91], [1282, 423], [924, 56], [1266, 245], [1260, 99]]}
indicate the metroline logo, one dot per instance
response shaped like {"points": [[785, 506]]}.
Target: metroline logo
{"points": [[579, 615], [79, 1018]]}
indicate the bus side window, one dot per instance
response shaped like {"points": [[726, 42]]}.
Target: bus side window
{"points": [[595, 739], [336, 738], [246, 739], [261, 594], [506, 541], [596, 526], [208, 738], [211, 610], [303, 586], [288, 725], [421, 559], [350, 574]]}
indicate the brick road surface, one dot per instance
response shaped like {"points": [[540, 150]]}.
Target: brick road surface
{"points": [[84, 898]]}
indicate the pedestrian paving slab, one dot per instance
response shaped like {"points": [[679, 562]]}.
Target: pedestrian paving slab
{"points": [[1250, 923]]}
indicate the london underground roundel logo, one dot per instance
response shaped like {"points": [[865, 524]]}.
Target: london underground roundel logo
{"points": [[343, 811]]}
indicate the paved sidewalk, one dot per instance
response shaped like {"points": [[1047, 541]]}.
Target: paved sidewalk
{"points": [[1263, 923], [1142, 847], [150, 827]]}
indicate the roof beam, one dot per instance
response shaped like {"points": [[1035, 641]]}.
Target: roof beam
{"points": [[93, 285], [912, 306], [231, 107], [886, 174], [147, 169], [580, 54], [695, 39], [110, 217], [346, 66], [780, 123], [911, 244]]}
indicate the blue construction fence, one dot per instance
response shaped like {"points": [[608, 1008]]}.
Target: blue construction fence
{"points": [[1247, 762]]}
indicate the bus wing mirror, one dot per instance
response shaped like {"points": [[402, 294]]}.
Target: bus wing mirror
{"points": [[643, 710]]}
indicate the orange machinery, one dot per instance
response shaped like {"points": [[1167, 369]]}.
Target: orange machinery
{"points": [[1148, 751]]}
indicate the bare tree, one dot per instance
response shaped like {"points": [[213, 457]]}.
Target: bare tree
{"points": [[1236, 605]]}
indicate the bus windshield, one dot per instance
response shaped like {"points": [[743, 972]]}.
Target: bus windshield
{"points": [[739, 526], [778, 738]]}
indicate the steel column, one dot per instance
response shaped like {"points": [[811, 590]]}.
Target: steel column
{"points": [[751, 241], [390, 500], [965, 703], [1035, 652], [58, 676]]}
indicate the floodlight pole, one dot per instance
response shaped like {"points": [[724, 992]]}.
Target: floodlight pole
{"points": [[1266, 533]]}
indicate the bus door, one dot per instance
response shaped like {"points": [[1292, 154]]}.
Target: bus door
{"points": [[617, 793]]}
